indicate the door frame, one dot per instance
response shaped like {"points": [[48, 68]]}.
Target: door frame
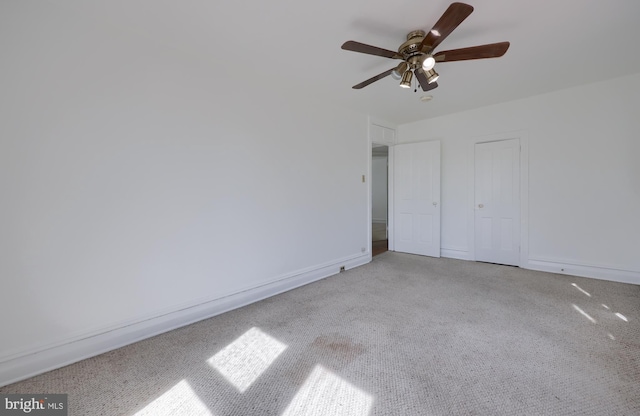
{"points": [[372, 121], [523, 136]]}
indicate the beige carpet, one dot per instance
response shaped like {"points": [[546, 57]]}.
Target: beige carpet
{"points": [[404, 335]]}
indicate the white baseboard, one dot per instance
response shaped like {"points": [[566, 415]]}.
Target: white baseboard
{"points": [[584, 270], [454, 253], [33, 363]]}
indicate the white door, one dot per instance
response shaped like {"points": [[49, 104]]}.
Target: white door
{"points": [[497, 202], [417, 198]]}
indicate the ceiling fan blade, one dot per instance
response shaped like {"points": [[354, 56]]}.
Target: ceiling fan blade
{"points": [[492, 50], [354, 46], [452, 17], [373, 79], [422, 79]]}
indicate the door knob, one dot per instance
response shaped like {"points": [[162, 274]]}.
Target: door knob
{"points": [[480, 205]]}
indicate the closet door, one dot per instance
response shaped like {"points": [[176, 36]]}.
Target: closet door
{"points": [[417, 198]]}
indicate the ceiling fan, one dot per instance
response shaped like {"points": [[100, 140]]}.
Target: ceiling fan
{"points": [[417, 52]]}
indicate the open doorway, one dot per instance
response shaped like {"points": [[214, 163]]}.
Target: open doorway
{"points": [[379, 199]]}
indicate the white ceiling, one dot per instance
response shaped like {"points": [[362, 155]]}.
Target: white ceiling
{"points": [[295, 44]]}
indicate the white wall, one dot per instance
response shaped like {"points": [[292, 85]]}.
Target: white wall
{"points": [[137, 182], [379, 189], [584, 175]]}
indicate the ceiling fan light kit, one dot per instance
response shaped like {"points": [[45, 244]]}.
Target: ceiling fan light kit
{"points": [[399, 71], [406, 79], [432, 76], [428, 63], [417, 55]]}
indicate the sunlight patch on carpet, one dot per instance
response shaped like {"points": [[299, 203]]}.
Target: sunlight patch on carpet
{"points": [[581, 289], [179, 400], [583, 313], [621, 316], [246, 358], [325, 393]]}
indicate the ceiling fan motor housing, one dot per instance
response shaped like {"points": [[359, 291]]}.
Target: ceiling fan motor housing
{"points": [[410, 50]]}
